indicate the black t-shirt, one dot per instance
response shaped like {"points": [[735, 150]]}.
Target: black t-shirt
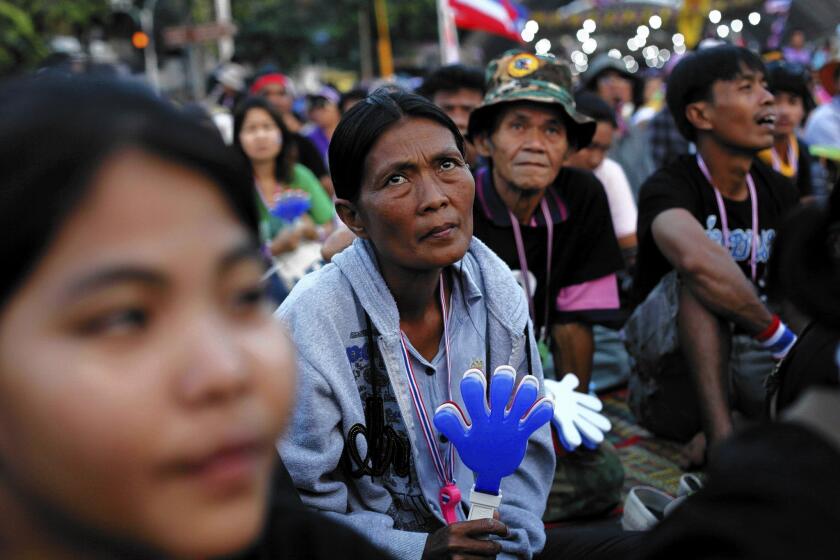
{"points": [[584, 244], [309, 156], [811, 362], [681, 184], [803, 173]]}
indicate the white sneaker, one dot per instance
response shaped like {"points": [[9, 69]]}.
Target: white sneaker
{"points": [[689, 484], [644, 508]]}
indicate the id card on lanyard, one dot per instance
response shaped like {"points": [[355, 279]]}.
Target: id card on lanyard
{"points": [[449, 496], [724, 219]]}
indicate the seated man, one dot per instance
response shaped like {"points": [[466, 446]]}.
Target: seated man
{"points": [[706, 226], [549, 223]]}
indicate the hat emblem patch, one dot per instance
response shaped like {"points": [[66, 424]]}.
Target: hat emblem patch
{"points": [[522, 65]]}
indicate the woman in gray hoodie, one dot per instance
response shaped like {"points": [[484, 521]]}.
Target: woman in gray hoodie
{"points": [[412, 304]]}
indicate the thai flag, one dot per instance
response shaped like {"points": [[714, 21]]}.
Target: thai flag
{"points": [[500, 17]]}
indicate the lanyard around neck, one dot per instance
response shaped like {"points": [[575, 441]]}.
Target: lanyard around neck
{"points": [[523, 262], [725, 220], [443, 470], [793, 158]]}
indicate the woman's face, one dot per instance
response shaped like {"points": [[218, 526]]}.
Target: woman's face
{"points": [[415, 203], [143, 382], [260, 136]]}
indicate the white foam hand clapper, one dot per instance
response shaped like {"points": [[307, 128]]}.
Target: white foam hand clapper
{"points": [[576, 415]]}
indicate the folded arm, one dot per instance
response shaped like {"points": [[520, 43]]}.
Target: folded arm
{"points": [[708, 270]]}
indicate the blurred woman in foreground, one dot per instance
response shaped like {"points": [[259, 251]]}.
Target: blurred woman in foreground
{"points": [[143, 381]]}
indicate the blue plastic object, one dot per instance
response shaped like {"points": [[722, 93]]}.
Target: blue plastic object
{"points": [[291, 205], [494, 443]]}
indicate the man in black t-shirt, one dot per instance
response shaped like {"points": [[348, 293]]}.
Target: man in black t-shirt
{"points": [[712, 219], [550, 224]]}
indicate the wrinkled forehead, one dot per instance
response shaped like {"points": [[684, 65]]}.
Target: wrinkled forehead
{"points": [[408, 140]]}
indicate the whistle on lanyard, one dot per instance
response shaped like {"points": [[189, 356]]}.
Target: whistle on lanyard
{"points": [[494, 442]]}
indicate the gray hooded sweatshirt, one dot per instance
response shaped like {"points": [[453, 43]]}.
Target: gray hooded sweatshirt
{"points": [[353, 448]]}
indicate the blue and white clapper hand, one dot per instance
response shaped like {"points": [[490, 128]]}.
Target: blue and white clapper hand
{"points": [[493, 443], [577, 415]]}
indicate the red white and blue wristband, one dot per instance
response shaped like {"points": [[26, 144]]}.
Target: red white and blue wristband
{"points": [[777, 338]]}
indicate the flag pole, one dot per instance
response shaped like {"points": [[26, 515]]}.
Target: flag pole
{"points": [[447, 34], [383, 42]]}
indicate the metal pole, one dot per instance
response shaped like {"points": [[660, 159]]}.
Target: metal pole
{"points": [[365, 54], [147, 24], [223, 18]]}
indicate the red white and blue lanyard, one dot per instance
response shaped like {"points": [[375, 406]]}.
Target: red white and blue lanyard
{"points": [[523, 262], [449, 494], [724, 219]]}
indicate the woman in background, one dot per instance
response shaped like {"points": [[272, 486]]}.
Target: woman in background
{"points": [[260, 135]]}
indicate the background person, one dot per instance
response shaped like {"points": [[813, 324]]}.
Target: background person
{"points": [[706, 227], [790, 85], [525, 128], [593, 157], [324, 116], [457, 90], [259, 135], [610, 363], [278, 90], [623, 91]]}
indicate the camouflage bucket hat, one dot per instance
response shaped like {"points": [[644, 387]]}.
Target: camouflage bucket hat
{"points": [[522, 76]]}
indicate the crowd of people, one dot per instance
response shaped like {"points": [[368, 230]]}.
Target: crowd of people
{"points": [[224, 330]]}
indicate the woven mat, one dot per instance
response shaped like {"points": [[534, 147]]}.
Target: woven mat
{"points": [[647, 460]]}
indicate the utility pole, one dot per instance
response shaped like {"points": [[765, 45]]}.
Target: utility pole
{"points": [[147, 24], [386, 57], [223, 18], [365, 53]]}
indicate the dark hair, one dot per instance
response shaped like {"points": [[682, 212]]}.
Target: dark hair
{"points": [[362, 125], [284, 163], [692, 79], [56, 132], [356, 94], [591, 105], [452, 78], [793, 78]]}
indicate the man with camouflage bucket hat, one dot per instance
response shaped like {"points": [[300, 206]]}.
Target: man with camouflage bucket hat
{"points": [[525, 198], [551, 224]]}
